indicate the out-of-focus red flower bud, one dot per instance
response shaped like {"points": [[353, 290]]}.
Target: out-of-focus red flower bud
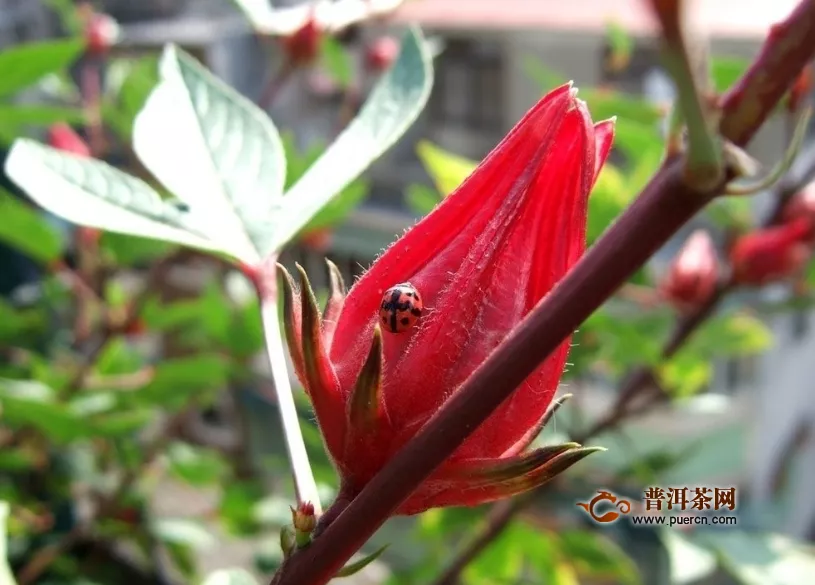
{"points": [[801, 89], [381, 361], [692, 277], [380, 54], [319, 240], [771, 254], [801, 205], [303, 46], [88, 237], [63, 137], [101, 33]]}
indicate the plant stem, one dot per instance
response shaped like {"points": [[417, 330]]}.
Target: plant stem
{"points": [[275, 83], [304, 483], [705, 165], [664, 206]]}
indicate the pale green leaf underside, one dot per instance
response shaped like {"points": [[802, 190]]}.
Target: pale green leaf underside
{"points": [[92, 193], [230, 577], [393, 106], [214, 150], [330, 16], [6, 577]]}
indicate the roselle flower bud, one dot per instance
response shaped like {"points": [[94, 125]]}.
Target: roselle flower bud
{"points": [[303, 46], [101, 33], [801, 89], [303, 518], [772, 254], [801, 205], [63, 137], [692, 277], [380, 54], [379, 362]]}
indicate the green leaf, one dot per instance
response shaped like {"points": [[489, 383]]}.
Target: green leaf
{"points": [[546, 78], [356, 567], [122, 424], [175, 380], [23, 65], [28, 231], [447, 170], [620, 42], [230, 577], [421, 199], [608, 199], [137, 80], [336, 60], [725, 71], [93, 193], [685, 374], [393, 106], [16, 117], [731, 335], [594, 555], [126, 250], [195, 465], [6, 576], [605, 104], [182, 531], [239, 507], [339, 208], [214, 150], [29, 403]]}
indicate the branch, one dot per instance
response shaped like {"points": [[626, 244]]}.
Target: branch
{"points": [[664, 206]]}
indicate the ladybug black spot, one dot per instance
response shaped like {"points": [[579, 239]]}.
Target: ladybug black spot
{"points": [[405, 321]]}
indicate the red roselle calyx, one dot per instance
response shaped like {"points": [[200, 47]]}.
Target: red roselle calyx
{"points": [[63, 137], [693, 274], [477, 264], [303, 46], [101, 33], [772, 254], [381, 53]]}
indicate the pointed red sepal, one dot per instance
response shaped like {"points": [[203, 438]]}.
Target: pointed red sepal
{"points": [[336, 299], [292, 322], [532, 434], [367, 417], [319, 378], [479, 473], [365, 407], [469, 493]]}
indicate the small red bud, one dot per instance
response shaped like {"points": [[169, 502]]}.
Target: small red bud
{"points": [[303, 46], [88, 237], [318, 240], [303, 518], [63, 137], [692, 277], [801, 89], [381, 53], [772, 254], [800, 205], [101, 33]]}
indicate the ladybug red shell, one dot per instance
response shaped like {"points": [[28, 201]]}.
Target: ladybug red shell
{"points": [[401, 307]]}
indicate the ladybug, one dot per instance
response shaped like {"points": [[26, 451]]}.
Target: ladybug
{"points": [[401, 307]]}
